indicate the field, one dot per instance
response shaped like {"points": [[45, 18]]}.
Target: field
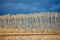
{"points": [[30, 37]]}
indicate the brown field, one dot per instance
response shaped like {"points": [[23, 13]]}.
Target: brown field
{"points": [[15, 34], [20, 31], [30, 37]]}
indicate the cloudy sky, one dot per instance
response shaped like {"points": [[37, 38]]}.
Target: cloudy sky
{"points": [[28, 6]]}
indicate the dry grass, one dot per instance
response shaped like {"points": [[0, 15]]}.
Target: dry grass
{"points": [[11, 30], [31, 37]]}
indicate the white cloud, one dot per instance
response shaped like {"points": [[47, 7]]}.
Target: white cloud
{"points": [[55, 7]]}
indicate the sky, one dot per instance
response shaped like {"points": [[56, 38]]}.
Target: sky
{"points": [[28, 6]]}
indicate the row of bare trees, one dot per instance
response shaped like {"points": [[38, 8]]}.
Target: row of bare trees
{"points": [[31, 21]]}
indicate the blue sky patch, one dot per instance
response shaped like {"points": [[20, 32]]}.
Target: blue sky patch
{"points": [[28, 6]]}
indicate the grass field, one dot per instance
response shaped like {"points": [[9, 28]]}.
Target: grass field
{"points": [[30, 37], [11, 30]]}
